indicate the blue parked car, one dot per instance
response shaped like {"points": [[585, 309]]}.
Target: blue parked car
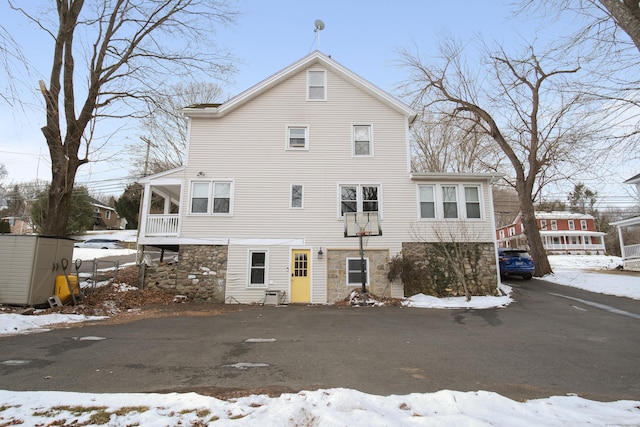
{"points": [[515, 262]]}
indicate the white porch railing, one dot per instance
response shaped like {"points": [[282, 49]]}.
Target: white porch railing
{"points": [[577, 247], [632, 251], [162, 225]]}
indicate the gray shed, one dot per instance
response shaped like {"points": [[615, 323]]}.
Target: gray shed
{"points": [[29, 266]]}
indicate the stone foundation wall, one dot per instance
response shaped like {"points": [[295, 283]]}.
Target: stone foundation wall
{"points": [[439, 278], [200, 273], [337, 288]]}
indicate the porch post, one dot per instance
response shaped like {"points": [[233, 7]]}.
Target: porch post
{"points": [[622, 252]]}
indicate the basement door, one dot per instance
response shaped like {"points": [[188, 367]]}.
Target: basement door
{"points": [[300, 279]]}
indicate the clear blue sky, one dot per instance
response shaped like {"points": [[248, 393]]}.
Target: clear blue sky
{"points": [[363, 35]]}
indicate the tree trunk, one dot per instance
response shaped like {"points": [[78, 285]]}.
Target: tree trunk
{"points": [[63, 174], [536, 246]]}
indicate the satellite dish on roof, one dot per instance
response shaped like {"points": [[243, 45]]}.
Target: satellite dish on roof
{"points": [[317, 27]]}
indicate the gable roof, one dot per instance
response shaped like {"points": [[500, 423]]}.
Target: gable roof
{"points": [[314, 58], [633, 180], [550, 215], [99, 204]]}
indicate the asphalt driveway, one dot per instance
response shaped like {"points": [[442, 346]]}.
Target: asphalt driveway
{"points": [[542, 345]]}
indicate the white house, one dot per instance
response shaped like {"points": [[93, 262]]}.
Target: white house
{"points": [[258, 208], [630, 249]]}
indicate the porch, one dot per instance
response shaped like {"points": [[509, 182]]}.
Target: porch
{"points": [[629, 235], [573, 242], [160, 211]]}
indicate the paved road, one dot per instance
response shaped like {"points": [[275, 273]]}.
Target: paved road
{"points": [[553, 340]]}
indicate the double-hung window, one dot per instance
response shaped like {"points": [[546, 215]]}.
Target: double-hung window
{"points": [[427, 201], [449, 201], [211, 197], [359, 198], [297, 138], [296, 196], [362, 142], [554, 224], [354, 271], [258, 271], [543, 224], [200, 197], [472, 202], [572, 225], [583, 224], [317, 83]]}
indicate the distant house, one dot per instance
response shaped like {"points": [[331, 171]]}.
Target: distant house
{"points": [[630, 247], [19, 225], [260, 209], [561, 232], [105, 217]]}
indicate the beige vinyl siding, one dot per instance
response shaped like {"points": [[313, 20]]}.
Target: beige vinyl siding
{"points": [[279, 261], [263, 177], [248, 146]]}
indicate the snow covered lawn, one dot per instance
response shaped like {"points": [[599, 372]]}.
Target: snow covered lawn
{"points": [[333, 407]]}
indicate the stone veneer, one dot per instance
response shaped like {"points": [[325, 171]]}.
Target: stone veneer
{"points": [[200, 273], [482, 273], [337, 289]]}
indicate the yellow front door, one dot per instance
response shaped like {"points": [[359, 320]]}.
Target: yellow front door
{"points": [[300, 279]]}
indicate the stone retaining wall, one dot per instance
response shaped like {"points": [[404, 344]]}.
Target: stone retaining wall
{"points": [[200, 273], [441, 279]]}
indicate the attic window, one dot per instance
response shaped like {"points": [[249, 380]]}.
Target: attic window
{"points": [[317, 85]]}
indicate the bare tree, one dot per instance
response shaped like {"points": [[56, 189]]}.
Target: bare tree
{"points": [[527, 105], [166, 141], [609, 35], [603, 19], [10, 59], [108, 57], [443, 144]]}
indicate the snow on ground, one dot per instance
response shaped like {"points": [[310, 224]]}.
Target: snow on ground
{"points": [[333, 407]]}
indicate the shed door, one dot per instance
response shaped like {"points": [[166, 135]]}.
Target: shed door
{"points": [[300, 279]]}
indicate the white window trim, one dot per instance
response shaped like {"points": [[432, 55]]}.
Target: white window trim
{"points": [[265, 285], [309, 86], [211, 183], [366, 260], [460, 200], [571, 224], [554, 225], [353, 140], [543, 224], [480, 206], [583, 224], [291, 197], [359, 196], [435, 202], [306, 138]]}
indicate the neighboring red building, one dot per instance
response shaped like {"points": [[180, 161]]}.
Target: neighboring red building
{"points": [[561, 232]]}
